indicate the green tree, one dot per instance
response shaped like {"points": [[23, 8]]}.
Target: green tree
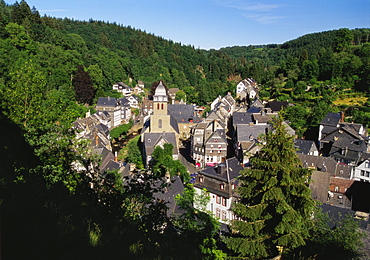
{"points": [[133, 154], [343, 38], [198, 228], [23, 96], [83, 86], [297, 116], [336, 237], [163, 162], [275, 205]]}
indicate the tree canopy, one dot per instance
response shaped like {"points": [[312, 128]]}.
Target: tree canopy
{"points": [[274, 208]]}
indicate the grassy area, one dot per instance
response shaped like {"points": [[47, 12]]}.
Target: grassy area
{"points": [[350, 101]]}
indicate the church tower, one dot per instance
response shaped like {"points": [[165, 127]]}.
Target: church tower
{"points": [[160, 120]]}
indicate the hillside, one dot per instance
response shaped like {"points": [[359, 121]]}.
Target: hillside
{"points": [[55, 203]]}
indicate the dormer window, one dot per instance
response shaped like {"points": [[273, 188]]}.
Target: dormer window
{"points": [[233, 186], [222, 186], [216, 140], [201, 179]]}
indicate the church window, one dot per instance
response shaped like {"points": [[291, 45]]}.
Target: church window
{"points": [[162, 106], [160, 123], [158, 106]]}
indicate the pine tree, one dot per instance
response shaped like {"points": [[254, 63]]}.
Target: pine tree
{"points": [[273, 213]]}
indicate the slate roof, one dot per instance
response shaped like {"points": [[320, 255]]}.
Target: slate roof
{"points": [[229, 99], [106, 101], [319, 185], [105, 156], [364, 157], [122, 85], [111, 165], [331, 119], [103, 129], [276, 106], [257, 103], [263, 118], [169, 193], [242, 118], [325, 164], [304, 146], [217, 133], [254, 109], [225, 172], [345, 144], [174, 124], [152, 139], [250, 132], [183, 113]]}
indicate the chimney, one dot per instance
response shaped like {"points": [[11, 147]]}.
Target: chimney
{"points": [[96, 140], [168, 177], [342, 117], [221, 168], [115, 156]]}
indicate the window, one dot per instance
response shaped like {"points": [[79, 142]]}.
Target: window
{"points": [[218, 199], [223, 201], [336, 189], [211, 151], [362, 173], [211, 145], [201, 179], [160, 123], [233, 186], [162, 106], [158, 106], [367, 174], [218, 213], [223, 215], [222, 186]]}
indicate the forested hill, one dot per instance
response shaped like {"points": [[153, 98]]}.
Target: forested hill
{"points": [[314, 44], [109, 53]]}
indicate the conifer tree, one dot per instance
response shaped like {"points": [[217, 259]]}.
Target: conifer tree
{"points": [[273, 213]]}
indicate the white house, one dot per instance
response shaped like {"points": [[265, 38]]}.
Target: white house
{"points": [[220, 183], [122, 88], [362, 171]]}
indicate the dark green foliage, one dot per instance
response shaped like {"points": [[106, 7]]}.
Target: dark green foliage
{"points": [[83, 86], [198, 228], [134, 153], [338, 237], [162, 163], [275, 204]]}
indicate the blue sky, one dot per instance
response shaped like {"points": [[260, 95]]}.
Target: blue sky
{"points": [[214, 24]]}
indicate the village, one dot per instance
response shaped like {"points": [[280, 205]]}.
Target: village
{"points": [[217, 146]]}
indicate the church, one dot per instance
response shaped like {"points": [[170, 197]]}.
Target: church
{"points": [[161, 127]]}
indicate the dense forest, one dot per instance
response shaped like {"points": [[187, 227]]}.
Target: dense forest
{"points": [[53, 70]]}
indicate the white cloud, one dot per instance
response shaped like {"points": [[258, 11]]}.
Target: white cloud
{"points": [[264, 19], [258, 12]]}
